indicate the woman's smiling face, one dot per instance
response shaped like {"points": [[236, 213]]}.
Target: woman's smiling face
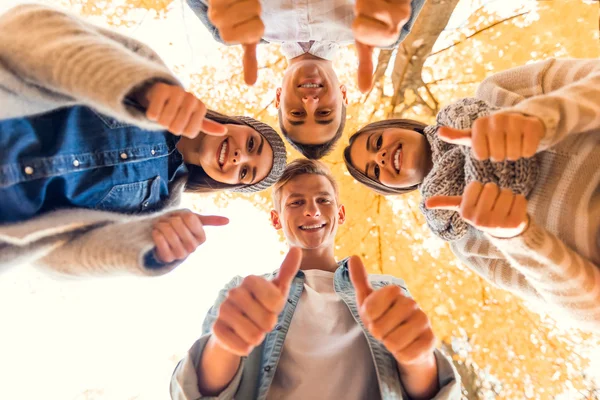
{"points": [[241, 157], [395, 157]]}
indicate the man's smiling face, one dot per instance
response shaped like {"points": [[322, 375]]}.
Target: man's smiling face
{"points": [[309, 213]]}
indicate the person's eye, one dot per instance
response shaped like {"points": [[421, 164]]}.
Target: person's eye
{"points": [[379, 142], [243, 173], [325, 201], [376, 171], [250, 144], [323, 113], [296, 203], [297, 113]]}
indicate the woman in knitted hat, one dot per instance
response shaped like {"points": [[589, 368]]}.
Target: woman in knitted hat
{"points": [[96, 147], [510, 179]]}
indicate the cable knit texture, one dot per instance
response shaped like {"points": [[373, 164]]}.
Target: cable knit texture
{"points": [[454, 167], [50, 59], [556, 261]]}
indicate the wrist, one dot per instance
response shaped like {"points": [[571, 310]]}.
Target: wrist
{"points": [[425, 363]]}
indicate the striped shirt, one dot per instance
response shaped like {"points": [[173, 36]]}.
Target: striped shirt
{"points": [[556, 260]]}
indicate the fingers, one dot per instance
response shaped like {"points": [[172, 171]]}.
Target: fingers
{"points": [[533, 132], [213, 220], [479, 138], [413, 341], [379, 302], [258, 314], [236, 319], [377, 23], [400, 311], [451, 203], [485, 204], [289, 269], [265, 292], [229, 340], [360, 279], [250, 64], [168, 246], [455, 136], [365, 67]]}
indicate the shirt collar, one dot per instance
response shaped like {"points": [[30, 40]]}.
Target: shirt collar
{"points": [[324, 50]]}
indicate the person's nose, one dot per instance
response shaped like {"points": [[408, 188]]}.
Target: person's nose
{"points": [[238, 157], [312, 209], [380, 158], [310, 103]]}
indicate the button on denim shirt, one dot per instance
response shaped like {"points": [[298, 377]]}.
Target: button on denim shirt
{"points": [[256, 372], [76, 157]]}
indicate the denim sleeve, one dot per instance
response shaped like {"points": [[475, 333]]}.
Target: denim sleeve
{"points": [[184, 382], [200, 8], [416, 6]]}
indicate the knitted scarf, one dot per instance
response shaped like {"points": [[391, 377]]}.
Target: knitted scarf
{"points": [[454, 167]]}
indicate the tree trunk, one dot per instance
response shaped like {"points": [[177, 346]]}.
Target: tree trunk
{"points": [[412, 53]]}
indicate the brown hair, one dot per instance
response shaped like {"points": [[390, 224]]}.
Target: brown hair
{"points": [[301, 167], [376, 186], [315, 151]]}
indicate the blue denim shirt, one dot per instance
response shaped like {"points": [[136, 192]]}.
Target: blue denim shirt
{"points": [[76, 157], [256, 372]]}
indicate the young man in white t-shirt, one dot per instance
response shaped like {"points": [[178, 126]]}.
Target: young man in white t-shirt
{"points": [[316, 328]]}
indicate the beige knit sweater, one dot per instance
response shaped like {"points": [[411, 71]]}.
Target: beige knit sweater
{"points": [[50, 59], [556, 260]]}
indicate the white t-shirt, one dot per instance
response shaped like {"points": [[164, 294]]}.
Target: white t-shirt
{"points": [[325, 354]]}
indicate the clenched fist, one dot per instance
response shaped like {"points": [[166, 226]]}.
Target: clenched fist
{"points": [[177, 234], [178, 111], [239, 22], [403, 328], [377, 23], [250, 310], [499, 212], [499, 137]]}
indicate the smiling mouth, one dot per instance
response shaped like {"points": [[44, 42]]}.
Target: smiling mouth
{"points": [[312, 228], [222, 153], [397, 159], [310, 86]]}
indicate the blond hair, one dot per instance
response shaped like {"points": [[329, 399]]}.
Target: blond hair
{"points": [[301, 167]]}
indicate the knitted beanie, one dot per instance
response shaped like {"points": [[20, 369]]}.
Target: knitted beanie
{"points": [[279, 156]]}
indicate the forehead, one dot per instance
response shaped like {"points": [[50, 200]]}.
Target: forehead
{"points": [[307, 185], [358, 151]]}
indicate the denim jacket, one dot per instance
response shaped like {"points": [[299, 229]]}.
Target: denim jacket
{"points": [[255, 374], [77, 157]]}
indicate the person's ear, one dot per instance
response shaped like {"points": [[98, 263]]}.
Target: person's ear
{"points": [[275, 221], [278, 97], [341, 214], [344, 93]]}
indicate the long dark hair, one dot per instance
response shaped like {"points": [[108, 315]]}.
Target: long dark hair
{"points": [[378, 187], [198, 180]]}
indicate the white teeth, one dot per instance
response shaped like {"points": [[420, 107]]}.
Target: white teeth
{"points": [[311, 85], [310, 227], [397, 159], [222, 155]]}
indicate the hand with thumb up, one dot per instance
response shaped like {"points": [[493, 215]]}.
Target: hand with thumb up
{"points": [[239, 22], [498, 212], [499, 137], [403, 328], [250, 311]]}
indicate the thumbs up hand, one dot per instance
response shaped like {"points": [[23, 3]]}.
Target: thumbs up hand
{"points": [[239, 22], [392, 318], [499, 212], [377, 23], [250, 310], [499, 137]]}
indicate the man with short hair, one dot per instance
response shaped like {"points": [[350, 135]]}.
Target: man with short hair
{"points": [[316, 328], [311, 101]]}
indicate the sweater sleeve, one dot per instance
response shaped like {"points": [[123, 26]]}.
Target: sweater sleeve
{"points": [[184, 382], [108, 248], [53, 59], [565, 280], [562, 93]]}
